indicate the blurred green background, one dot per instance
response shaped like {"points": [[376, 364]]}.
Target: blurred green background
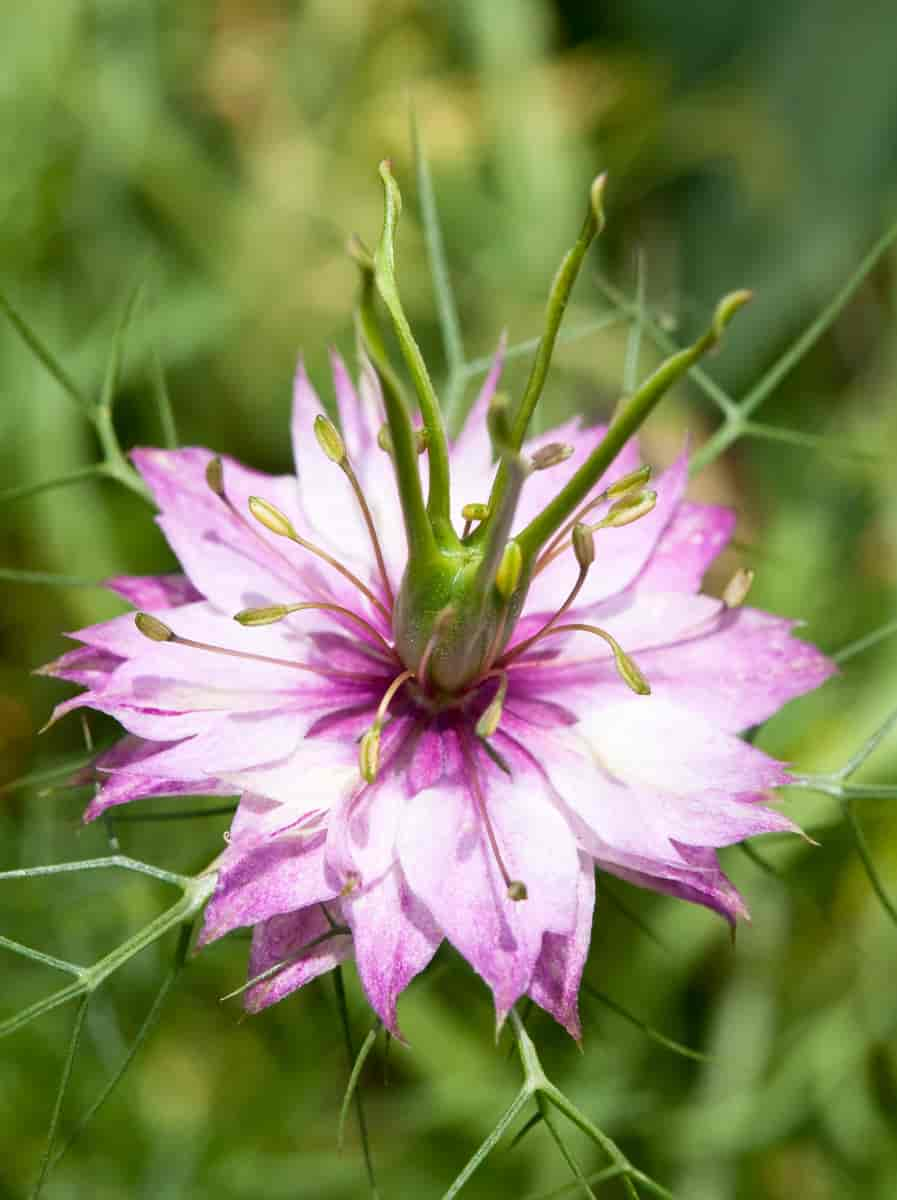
{"points": [[222, 152]]}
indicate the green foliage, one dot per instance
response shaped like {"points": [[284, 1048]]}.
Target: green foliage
{"points": [[219, 155]]}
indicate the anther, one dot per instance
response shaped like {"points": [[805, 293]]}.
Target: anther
{"points": [[509, 569], [471, 513], [369, 755], [352, 882], [584, 549], [623, 486], [491, 718], [736, 590], [157, 631], [278, 523], [215, 477], [628, 509], [515, 888], [369, 747], [272, 518], [551, 455], [330, 440], [626, 484], [153, 628], [421, 440], [583, 546], [263, 616], [475, 512]]}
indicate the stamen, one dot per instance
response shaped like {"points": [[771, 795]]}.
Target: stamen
{"points": [[559, 542], [584, 549], [421, 441], [736, 590], [627, 510], [215, 480], [508, 574], [157, 631], [491, 718], [278, 523], [471, 513], [335, 448], [516, 888], [369, 748], [626, 667], [269, 615], [551, 455]]}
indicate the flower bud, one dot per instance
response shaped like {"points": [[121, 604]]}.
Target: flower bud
{"points": [[329, 439], [153, 628], [272, 518]]}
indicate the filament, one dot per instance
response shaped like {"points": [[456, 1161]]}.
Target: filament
{"points": [[516, 888]]}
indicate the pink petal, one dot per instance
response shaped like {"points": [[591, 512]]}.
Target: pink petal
{"points": [[154, 591], [395, 937], [446, 858], [704, 884], [282, 938], [233, 560], [689, 544], [122, 789], [558, 971], [739, 674], [277, 876], [87, 666], [231, 744]]}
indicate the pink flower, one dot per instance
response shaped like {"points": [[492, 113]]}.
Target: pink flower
{"points": [[390, 798]]}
